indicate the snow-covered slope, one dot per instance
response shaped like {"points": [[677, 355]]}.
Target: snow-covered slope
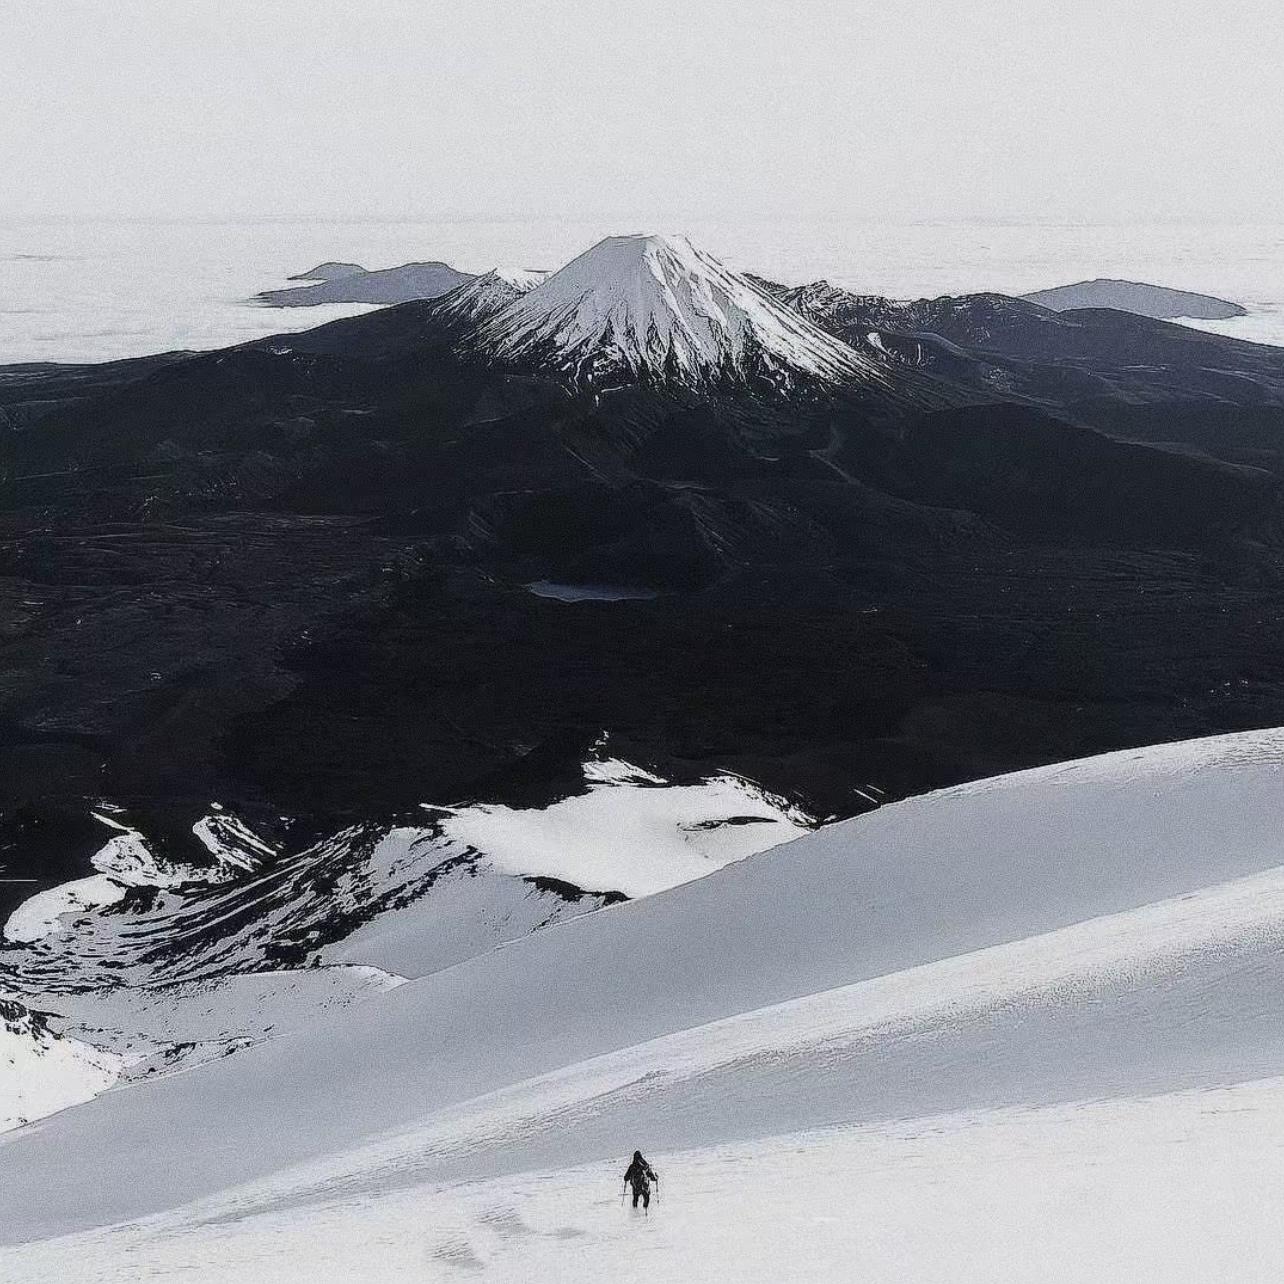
{"points": [[41, 1071], [630, 830], [140, 1031], [656, 306], [482, 297], [1181, 1188], [450, 884], [167, 964], [1096, 929], [830, 305]]}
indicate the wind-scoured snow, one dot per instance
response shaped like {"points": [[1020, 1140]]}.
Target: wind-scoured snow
{"points": [[45, 913], [147, 1030], [634, 840], [657, 306]]}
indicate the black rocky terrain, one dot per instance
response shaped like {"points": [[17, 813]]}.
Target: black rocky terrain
{"points": [[292, 576]]}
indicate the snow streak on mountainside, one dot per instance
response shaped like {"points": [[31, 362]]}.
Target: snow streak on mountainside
{"points": [[658, 307]]}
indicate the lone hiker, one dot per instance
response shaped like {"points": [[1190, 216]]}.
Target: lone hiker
{"points": [[640, 1175]]}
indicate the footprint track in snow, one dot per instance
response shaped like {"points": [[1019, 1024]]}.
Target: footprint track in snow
{"points": [[458, 1252], [505, 1222]]}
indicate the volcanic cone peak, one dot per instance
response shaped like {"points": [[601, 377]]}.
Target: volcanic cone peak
{"points": [[658, 307]]}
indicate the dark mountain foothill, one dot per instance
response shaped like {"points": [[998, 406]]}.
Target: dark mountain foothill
{"points": [[847, 540]]}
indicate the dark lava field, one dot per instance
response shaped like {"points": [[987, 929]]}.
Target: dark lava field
{"points": [[294, 577]]}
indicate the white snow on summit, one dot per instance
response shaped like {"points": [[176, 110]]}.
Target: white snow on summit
{"points": [[657, 305], [521, 279], [489, 293]]}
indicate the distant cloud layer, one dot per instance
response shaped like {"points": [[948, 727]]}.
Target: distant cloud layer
{"points": [[994, 108]]}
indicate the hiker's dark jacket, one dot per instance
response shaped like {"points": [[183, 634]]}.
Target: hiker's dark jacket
{"points": [[640, 1174]]}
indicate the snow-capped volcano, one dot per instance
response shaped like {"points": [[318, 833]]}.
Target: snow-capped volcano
{"points": [[489, 293], [656, 305], [521, 279]]}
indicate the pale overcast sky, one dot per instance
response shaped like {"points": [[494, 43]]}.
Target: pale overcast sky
{"points": [[1084, 109]]}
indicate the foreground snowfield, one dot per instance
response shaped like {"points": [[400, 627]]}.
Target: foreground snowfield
{"points": [[1181, 1189], [1026, 1029]]}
